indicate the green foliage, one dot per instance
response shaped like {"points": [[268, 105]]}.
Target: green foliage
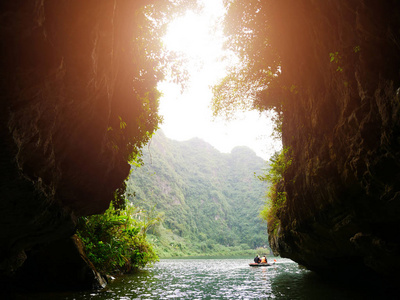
{"points": [[335, 57], [122, 124], [253, 81], [277, 119], [127, 132], [134, 117], [276, 198], [115, 242], [119, 202], [211, 200], [169, 244]]}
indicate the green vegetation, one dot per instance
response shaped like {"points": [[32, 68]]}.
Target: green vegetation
{"points": [[211, 200], [257, 82], [335, 57], [276, 197], [252, 83], [115, 242], [135, 118]]}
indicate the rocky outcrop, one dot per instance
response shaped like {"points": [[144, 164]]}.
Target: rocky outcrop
{"points": [[61, 265], [71, 74], [342, 127]]}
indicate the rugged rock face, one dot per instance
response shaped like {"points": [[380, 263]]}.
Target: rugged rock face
{"points": [[67, 73], [342, 126], [59, 265]]}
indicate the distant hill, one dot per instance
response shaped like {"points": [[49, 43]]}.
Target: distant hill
{"points": [[211, 200]]}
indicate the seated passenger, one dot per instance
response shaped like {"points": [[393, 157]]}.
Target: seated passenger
{"points": [[264, 260]]}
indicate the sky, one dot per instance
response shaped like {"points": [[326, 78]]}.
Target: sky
{"points": [[199, 38]]}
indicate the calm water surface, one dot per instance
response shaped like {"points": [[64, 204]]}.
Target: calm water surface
{"points": [[225, 279]]}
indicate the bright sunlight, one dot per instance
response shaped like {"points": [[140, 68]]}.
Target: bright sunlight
{"points": [[198, 38]]}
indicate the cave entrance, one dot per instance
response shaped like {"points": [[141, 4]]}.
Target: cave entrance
{"points": [[197, 40]]}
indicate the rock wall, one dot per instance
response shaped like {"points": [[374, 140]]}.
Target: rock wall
{"points": [[342, 126], [58, 266], [67, 80]]}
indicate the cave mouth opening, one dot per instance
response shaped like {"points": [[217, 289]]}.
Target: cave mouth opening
{"points": [[75, 106], [197, 40]]}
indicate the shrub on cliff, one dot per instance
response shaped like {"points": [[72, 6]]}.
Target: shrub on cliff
{"points": [[116, 241], [276, 198]]}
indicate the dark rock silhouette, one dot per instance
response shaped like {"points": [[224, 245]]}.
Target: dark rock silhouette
{"points": [[342, 126], [67, 76]]}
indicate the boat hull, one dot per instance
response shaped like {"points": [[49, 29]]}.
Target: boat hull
{"points": [[259, 265]]}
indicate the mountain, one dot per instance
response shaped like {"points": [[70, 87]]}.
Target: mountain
{"points": [[211, 200]]}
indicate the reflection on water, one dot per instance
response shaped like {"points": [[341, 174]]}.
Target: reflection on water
{"points": [[223, 279]]}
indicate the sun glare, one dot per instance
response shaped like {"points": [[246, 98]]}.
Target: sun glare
{"points": [[188, 35], [198, 38]]}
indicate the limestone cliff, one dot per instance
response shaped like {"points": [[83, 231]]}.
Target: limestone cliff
{"points": [[70, 76], [342, 126]]}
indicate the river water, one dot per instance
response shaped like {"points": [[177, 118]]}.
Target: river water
{"points": [[225, 279]]}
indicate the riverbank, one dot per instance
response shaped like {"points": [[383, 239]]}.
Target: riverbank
{"points": [[250, 254], [181, 249]]}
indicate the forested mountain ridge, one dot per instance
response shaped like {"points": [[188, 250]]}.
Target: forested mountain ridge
{"points": [[210, 199]]}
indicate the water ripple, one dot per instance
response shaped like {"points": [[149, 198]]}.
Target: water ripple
{"points": [[221, 279]]}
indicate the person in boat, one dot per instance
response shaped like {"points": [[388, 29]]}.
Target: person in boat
{"points": [[257, 259], [264, 260]]}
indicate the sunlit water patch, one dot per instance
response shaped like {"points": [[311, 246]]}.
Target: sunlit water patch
{"points": [[224, 279]]}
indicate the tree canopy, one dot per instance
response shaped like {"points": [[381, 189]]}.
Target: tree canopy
{"points": [[251, 81], [149, 64]]}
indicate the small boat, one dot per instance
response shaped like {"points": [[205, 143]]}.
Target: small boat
{"points": [[259, 265]]}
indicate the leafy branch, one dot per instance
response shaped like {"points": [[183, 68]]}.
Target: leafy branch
{"points": [[115, 241], [335, 57], [276, 196]]}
